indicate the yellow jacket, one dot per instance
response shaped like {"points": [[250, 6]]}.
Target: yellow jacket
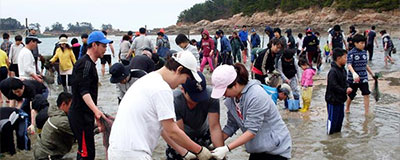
{"points": [[67, 59], [3, 59]]}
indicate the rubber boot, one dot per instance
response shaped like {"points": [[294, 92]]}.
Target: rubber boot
{"points": [[305, 108]]}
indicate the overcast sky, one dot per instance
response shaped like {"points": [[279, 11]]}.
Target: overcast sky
{"points": [[122, 14]]}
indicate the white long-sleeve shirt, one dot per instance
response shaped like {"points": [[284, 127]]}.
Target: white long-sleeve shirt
{"points": [[14, 52], [26, 64]]}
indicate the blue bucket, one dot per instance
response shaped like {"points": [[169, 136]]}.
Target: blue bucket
{"points": [[293, 104]]}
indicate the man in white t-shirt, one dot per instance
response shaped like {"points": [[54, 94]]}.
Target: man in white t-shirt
{"points": [[140, 43], [26, 61], [147, 110]]}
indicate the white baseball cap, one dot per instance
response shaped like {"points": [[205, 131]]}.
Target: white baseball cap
{"points": [[187, 60]]}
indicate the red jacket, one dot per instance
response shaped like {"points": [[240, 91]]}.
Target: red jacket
{"points": [[207, 44]]}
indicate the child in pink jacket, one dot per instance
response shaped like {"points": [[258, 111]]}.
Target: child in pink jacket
{"points": [[306, 83]]}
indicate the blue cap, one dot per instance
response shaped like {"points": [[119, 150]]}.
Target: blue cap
{"points": [[98, 36], [197, 90], [253, 30]]}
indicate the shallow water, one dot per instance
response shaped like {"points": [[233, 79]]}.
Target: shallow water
{"points": [[376, 136]]}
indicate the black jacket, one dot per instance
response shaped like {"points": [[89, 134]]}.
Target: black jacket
{"points": [[265, 61], [84, 81], [337, 86]]}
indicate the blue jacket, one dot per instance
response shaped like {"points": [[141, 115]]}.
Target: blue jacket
{"points": [[243, 35], [225, 45], [262, 118], [273, 92], [255, 40]]}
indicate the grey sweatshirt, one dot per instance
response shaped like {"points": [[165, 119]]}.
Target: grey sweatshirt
{"points": [[261, 117]]}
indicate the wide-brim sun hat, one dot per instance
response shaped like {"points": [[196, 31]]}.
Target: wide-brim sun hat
{"points": [[63, 40]]}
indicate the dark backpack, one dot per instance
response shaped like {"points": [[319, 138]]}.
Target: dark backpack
{"points": [[163, 49], [337, 40], [390, 42]]}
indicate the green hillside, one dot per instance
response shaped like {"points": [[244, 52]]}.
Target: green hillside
{"points": [[217, 9]]}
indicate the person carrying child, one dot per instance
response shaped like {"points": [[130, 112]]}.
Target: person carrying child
{"points": [[306, 83]]}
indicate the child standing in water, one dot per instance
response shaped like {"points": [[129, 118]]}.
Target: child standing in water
{"points": [[327, 52], [336, 91], [306, 83], [357, 77]]}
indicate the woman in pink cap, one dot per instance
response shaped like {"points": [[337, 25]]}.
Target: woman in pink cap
{"points": [[252, 110]]}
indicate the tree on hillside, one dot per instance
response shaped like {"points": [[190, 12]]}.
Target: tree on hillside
{"points": [[106, 27], [217, 9], [83, 27], [57, 27], [210, 10], [10, 24]]}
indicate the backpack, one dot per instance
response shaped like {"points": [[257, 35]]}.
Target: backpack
{"points": [[390, 42], [163, 49]]}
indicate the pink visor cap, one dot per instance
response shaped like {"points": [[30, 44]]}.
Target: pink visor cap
{"points": [[221, 78]]}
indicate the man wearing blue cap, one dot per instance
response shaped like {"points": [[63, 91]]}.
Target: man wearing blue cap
{"points": [[84, 108], [198, 115]]}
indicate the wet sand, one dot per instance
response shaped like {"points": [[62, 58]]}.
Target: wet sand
{"points": [[376, 136]]}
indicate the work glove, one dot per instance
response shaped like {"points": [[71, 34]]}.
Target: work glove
{"points": [[220, 152], [204, 154], [189, 156]]}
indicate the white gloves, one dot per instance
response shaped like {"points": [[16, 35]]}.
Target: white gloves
{"points": [[189, 156], [204, 154], [220, 152]]}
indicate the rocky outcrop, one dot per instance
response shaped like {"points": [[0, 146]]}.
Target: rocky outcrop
{"points": [[320, 19]]}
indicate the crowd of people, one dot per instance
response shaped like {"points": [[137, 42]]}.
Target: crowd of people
{"points": [[164, 92]]}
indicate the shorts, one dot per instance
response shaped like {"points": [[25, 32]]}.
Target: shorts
{"points": [[364, 87], [106, 58], [388, 51], [14, 68], [244, 44]]}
